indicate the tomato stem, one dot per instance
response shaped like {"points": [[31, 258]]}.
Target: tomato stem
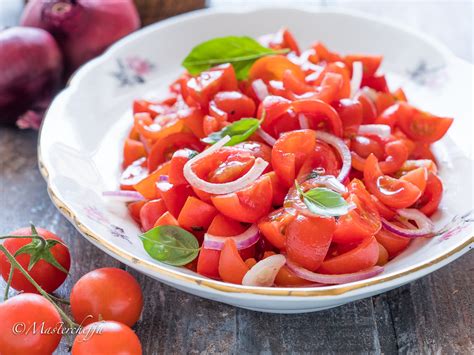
{"points": [[10, 277], [15, 263]]}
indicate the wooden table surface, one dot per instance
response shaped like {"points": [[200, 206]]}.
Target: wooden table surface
{"points": [[431, 315]]}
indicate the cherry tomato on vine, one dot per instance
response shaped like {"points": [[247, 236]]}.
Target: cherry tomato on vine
{"points": [[52, 260]]}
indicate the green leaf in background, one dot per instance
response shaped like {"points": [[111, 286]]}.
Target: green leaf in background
{"points": [[241, 52], [171, 245], [239, 131], [323, 201]]}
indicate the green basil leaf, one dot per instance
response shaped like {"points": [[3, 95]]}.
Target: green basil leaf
{"points": [[239, 131], [171, 245], [325, 202], [241, 52]]}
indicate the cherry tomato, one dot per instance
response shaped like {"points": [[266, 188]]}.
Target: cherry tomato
{"points": [[392, 192], [370, 63], [203, 87], [429, 201], [232, 106], [208, 260], [364, 256], [424, 127], [196, 215], [273, 227], [231, 266], [178, 160], [150, 212], [166, 219], [156, 129], [22, 314], [308, 239], [369, 111], [48, 276], [351, 114], [360, 223], [316, 110], [417, 177], [286, 278], [289, 153], [107, 293], [394, 244], [174, 196], [132, 150], [134, 209], [249, 204], [363, 146], [164, 148], [283, 39], [107, 337], [324, 53], [396, 153], [376, 82], [273, 67]]}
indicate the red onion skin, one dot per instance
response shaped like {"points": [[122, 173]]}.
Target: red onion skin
{"points": [[82, 28], [31, 71]]}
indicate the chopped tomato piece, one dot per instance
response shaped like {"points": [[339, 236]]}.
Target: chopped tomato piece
{"points": [[308, 239], [247, 205], [150, 212], [429, 201], [392, 192], [196, 215], [231, 266], [364, 256], [132, 150], [393, 244], [174, 196], [134, 209], [273, 227], [147, 186], [166, 219], [273, 67]]}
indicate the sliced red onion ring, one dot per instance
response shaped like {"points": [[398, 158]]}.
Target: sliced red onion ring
{"points": [[381, 130], [333, 279], [125, 196], [224, 188], [266, 137], [341, 148], [243, 241], [260, 89], [303, 120], [371, 93], [356, 80], [264, 272], [424, 226]]}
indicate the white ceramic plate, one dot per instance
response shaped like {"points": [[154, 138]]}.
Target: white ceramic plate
{"points": [[82, 135]]}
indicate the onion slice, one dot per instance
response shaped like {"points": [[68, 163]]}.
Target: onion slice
{"points": [[266, 137], [424, 226], [333, 279], [125, 196], [224, 188], [356, 80], [341, 148], [260, 89], [381, 130], [242, 241], [303, 121], [264, 272]]}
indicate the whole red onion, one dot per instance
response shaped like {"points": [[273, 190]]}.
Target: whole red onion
{"points": [[30, 73], [82, 28]]}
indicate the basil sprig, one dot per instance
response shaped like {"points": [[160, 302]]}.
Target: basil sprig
{"points": [[171, 245], [241, 52], [239, 131], [323, 201]]}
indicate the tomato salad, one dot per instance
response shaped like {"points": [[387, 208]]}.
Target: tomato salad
{"points": [[268, 165]]}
